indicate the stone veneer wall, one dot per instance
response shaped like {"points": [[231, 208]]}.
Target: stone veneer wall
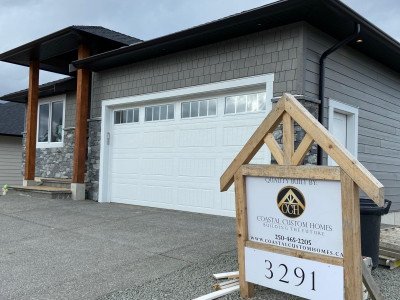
{"points": [[93, 160], [53, 162], [312, 106], [58, 162]]}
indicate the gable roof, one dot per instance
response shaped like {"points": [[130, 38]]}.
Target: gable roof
{"points": [[57, 50], [330, 16], [12, 116], [288, 106], [56, 87]]}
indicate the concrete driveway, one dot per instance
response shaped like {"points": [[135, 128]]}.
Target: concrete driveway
{"points": [[64, 249]]}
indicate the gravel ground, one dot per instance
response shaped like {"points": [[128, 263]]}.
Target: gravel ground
{"points": [[195, 280]]}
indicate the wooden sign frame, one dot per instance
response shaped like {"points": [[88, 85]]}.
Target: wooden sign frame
{"points": [[350, 219], [350, 172]]}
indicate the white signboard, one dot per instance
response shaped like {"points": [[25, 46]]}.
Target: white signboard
{"points": [[296, 276], [300, 214]]}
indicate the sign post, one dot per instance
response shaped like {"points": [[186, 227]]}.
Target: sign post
{"points": [[298, 227]]}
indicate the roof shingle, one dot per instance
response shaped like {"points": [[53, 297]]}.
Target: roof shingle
{"points": [[12, 117]]}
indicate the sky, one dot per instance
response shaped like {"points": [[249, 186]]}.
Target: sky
{"points": [[22, 21]]}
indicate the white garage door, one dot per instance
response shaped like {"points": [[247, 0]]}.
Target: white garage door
{"points": [[171, 155]]}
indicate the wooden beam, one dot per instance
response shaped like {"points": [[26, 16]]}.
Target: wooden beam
{"points": [[364, 179], [82, 110], [246, 288], [352, 259], [302, 150], [274, 147], [301, 172], [252, 146], [288, 138], [31, 120]]}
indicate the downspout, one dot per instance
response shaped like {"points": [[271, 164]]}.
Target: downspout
{"points": [[321, 111]]}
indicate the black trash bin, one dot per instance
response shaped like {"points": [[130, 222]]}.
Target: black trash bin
{"points": [[370, 214]]}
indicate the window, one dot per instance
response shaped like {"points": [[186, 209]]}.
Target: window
{"points": [[202, 108], [159, 112], [245, 103], [126, 116], [50, 123], [343, 124]]}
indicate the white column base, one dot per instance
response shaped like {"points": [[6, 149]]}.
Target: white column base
{"points": [[78, 191], [29, 182]]}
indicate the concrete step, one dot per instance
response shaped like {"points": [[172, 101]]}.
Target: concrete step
{"points": [[47, 192], [56, 182]]}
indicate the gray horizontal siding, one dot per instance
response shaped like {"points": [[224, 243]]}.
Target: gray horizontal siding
{"points": [[10, 160], [357, 80], [272, 51]]}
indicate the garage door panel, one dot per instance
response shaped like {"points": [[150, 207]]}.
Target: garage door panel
{"points": [[262, 157], [177, 163], [125, 166], [157, 193], [125, 155], [196, 167], [131, 180], [227, 200], [117, 152], [158, 166], [237, 135], [126, 141], [196, 197], [158, 139], [204, 137], [125, 192]]}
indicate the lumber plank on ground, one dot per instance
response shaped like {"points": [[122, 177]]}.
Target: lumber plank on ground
{"points": [[392, 263], [389, 253], [388, 246], [225, 284], [218, 294], [229, 275]]}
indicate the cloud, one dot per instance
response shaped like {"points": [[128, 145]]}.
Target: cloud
{"points": [[22, 21]]}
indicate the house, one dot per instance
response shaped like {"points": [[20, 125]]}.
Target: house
{"points": [[155, 122], [49, 138], [11, 128]]}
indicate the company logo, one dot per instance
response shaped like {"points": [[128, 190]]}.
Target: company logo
{"points": [[291, 202]]}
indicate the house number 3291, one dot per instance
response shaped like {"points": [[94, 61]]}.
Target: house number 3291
{"points": [[281, 271]]}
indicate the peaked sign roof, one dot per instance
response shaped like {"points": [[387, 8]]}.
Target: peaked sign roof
{"points": [[288, 109]]}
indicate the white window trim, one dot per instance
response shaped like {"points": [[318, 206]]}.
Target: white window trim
{"points": [[42, 145], [352, 125], [264, 81]]}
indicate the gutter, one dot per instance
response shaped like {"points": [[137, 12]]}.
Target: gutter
{"points": [[321, 108]]}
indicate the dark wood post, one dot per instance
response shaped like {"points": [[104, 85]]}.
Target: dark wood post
{"points": [[31, 121], [82, 109]]}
